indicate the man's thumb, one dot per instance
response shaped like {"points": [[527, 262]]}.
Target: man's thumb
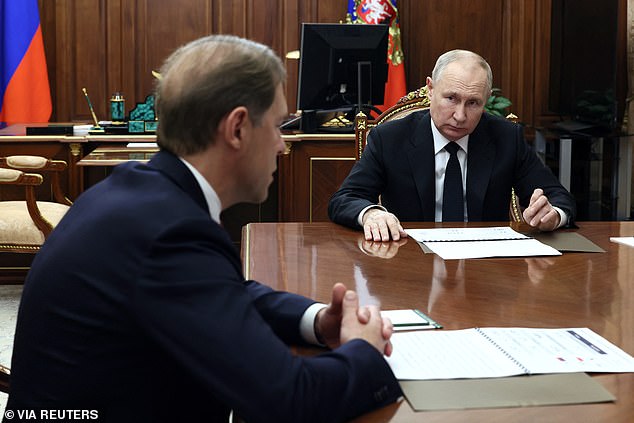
{"points": [[350, 303]]}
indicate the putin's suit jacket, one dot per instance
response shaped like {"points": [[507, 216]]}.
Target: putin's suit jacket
{"points": [[397, 164], [136, 307]]}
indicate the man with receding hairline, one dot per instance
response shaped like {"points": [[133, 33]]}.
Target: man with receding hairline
{"points": [[407, 163], [136, 306]]}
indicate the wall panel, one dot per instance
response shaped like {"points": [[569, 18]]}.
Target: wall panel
{"points": [[432, 27], [231, 17], [112, 45], [81, 57], [161, 26]]}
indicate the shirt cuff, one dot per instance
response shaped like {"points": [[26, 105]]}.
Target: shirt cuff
{"points": [[307, 323], [563, 217], [372, 206]]}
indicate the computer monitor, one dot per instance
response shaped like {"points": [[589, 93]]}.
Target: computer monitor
{"points": [[341, 66]]}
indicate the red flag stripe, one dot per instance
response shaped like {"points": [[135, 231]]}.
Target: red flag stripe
{"points": [[27, 97]]}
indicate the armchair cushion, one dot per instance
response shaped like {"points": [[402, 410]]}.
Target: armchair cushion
{"points": [[17, 227], [27, 162]]}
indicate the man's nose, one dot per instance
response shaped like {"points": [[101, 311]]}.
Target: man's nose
{"points": [[281, 148], [459, 113]]}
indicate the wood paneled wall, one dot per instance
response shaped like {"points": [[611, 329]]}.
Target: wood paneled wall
{"points": [[112, 45]]}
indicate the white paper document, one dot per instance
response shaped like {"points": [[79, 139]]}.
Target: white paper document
{"points": [[463, 243], [625, 240], [502, 352]]}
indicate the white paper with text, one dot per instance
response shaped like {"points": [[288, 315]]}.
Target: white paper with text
{"points": [[465, 243], [500, 352]]}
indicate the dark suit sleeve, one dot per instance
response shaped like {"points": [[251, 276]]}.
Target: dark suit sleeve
{"points": [[362, 186], [281, 310], [194, 305]]}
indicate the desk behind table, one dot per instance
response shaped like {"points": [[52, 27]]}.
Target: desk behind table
{"points": [[309, 172]]}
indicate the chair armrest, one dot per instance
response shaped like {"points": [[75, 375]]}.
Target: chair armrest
{"points": [[29, 181], [515, 210], [27, 163], [18, 177]]}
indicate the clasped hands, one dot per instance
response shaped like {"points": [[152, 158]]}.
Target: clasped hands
{"points": [[343, 320]]}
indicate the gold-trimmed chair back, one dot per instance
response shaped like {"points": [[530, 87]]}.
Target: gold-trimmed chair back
{"points": [[413, 101]]}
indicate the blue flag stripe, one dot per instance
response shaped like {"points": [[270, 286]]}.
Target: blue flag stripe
{"points": [[19, 20]]}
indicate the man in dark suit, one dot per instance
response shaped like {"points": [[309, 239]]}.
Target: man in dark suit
{"points": [[136, 308], [406, 164]]}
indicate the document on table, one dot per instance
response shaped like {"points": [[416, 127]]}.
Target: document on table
{"points": [[461, 243], [501, 352], [625, 240]]}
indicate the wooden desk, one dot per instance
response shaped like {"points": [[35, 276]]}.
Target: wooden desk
{"points": [[71, 149], [309, 172], [594, 290], [65, 148]]}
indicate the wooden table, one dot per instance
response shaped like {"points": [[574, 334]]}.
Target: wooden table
{"points": [[594, 290]]}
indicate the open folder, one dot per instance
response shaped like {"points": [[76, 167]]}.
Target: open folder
{"points": [[518, 391], [474, 368]]}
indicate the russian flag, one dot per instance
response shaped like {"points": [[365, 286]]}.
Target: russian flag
{"points": [[24, 90]]}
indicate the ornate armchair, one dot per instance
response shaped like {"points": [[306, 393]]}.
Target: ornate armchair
{"points": [[413, 101], [24, 224]]}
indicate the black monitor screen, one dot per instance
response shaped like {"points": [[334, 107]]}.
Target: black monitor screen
{"points": [[330, 58]]}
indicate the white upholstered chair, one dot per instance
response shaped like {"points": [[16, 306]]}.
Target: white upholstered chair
{"points": [[25, 223]]}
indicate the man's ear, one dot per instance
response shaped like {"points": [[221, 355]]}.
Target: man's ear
{"points": [[233, 126], [430, 85]]}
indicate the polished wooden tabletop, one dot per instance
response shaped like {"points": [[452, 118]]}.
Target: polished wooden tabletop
{"points": [[576, 289]]}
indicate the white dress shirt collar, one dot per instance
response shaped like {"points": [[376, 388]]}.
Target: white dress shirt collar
{"points": [[213, 201], [440, 141]]}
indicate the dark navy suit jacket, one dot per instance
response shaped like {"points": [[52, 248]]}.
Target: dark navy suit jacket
{"points": [[398, 164], [136, 306]]}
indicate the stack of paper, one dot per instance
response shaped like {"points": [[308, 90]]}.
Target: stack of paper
{"points": [[462, 243], [625, 240]]}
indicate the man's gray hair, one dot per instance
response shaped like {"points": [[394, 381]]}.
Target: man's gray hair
{"points": [[202, 81], [460, 55]]}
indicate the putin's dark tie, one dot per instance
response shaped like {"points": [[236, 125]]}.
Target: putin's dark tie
{"points": [[453, 199]]}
